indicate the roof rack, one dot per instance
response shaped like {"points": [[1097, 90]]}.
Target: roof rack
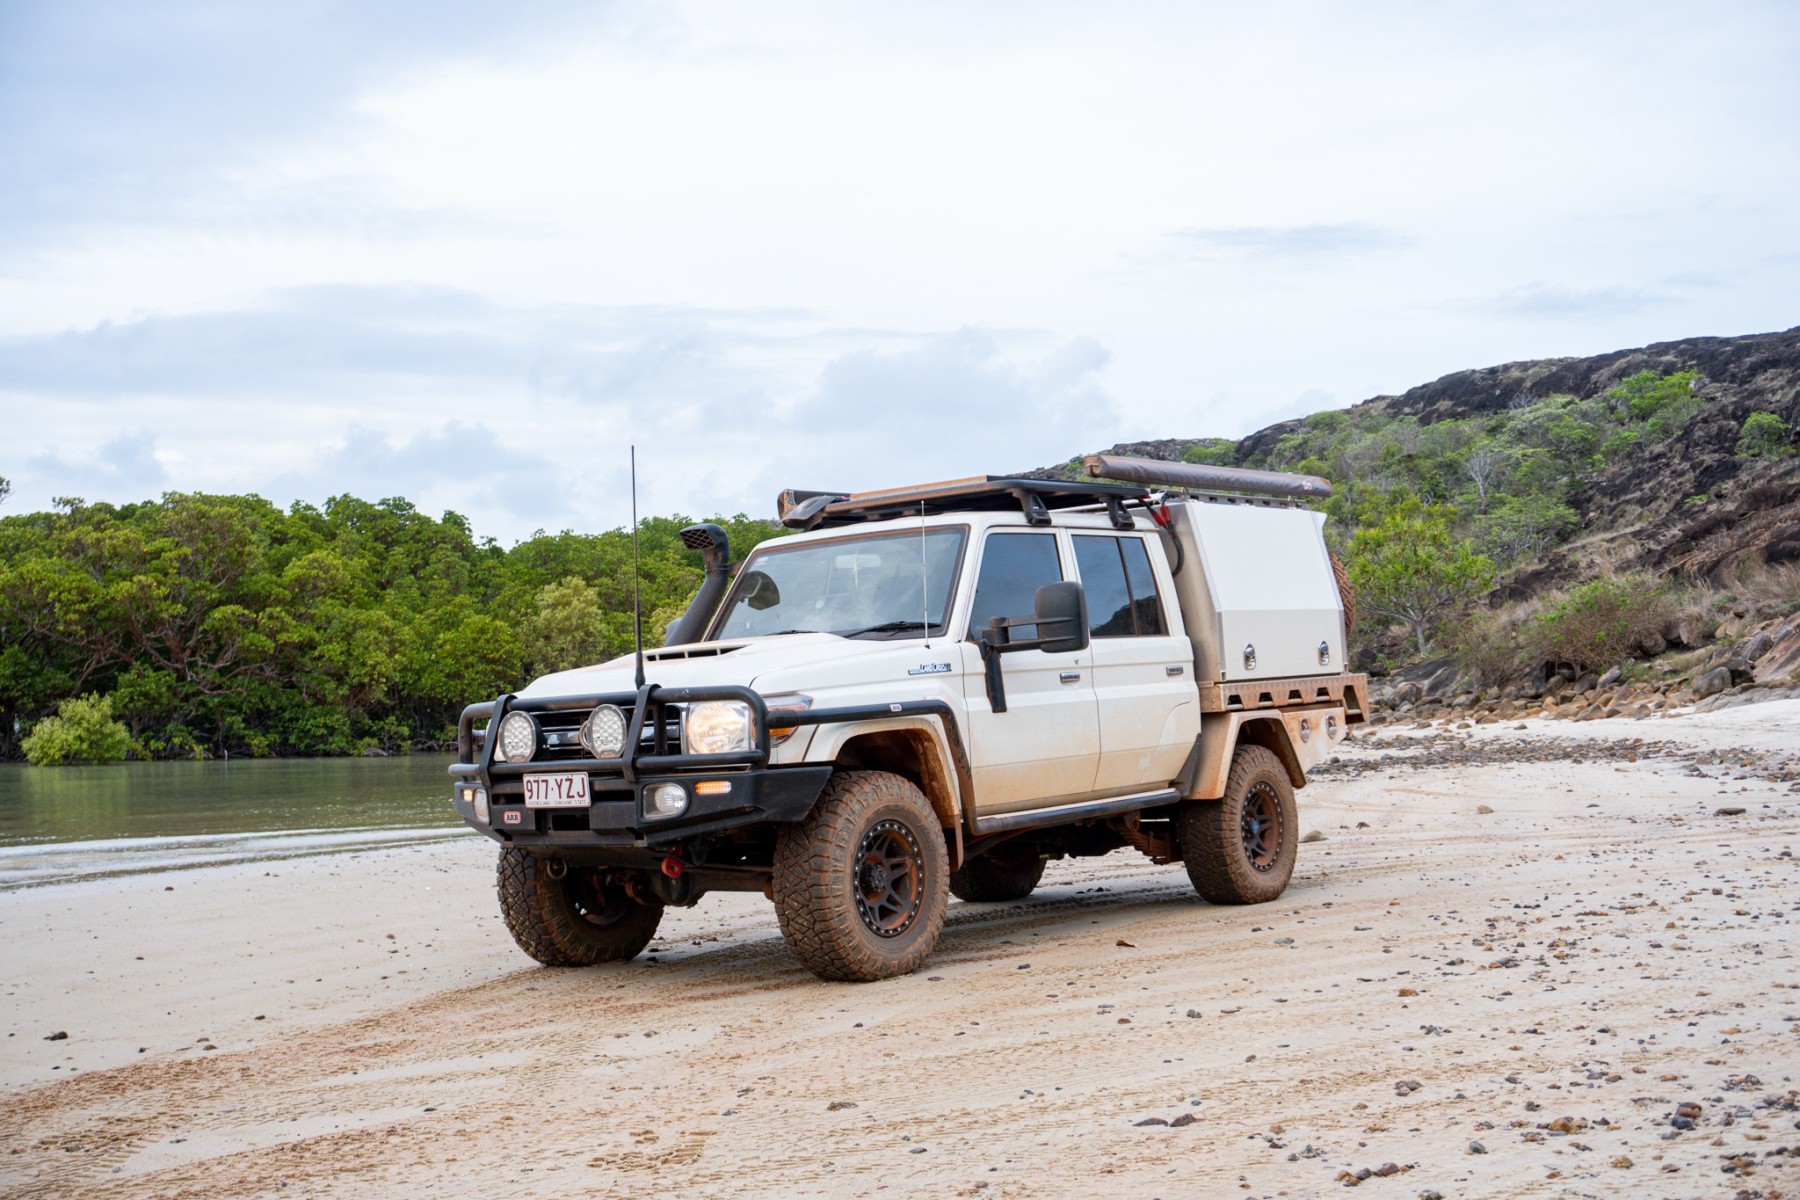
{"points": [[1036, 498]]}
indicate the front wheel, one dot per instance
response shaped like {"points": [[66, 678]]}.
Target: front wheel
{"points": [[566, 916], [1240, 849], [861, 884]]}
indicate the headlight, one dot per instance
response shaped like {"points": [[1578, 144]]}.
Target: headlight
{"points": [[718, 727], [518, 738], [603, 733]]}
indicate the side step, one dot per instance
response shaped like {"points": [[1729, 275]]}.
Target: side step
{"points": [[1087, 810]]}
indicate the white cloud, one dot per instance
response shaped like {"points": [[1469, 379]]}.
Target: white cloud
{"points": [[693, 223]]}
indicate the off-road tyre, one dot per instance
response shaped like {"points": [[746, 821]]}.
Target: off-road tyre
{"points": [[1241, 849], [575, 921], [997, 876], [861, 884]]}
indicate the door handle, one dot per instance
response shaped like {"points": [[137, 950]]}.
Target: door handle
{"points": [[1070, 676]]}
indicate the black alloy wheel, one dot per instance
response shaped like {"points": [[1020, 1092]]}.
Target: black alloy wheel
{"points": [[889, 864], [1263, 828]]}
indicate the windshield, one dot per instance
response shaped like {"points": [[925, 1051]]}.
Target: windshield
{"points": [[891, 585]]}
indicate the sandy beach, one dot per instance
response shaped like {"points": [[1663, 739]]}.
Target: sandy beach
{"points": [[1515, 954]]}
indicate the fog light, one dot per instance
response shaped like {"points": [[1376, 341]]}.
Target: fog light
{"points": [[665, 800], [478, 798]]}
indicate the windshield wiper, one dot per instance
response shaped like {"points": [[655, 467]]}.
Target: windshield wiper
{"points": [[888, 627]]}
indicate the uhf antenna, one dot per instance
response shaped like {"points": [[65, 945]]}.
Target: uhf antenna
{"points": [[637, 604]]}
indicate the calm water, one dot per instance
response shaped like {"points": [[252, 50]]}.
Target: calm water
{"points": [[61, 823]]}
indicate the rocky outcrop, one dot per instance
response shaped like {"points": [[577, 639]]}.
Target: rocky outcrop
{"points": [[1749, 662], [1687, 507]]}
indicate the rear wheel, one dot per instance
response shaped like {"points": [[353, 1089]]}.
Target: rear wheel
{"points": [[1241, 849], [566, 916], [998, 876], [861, 884]]}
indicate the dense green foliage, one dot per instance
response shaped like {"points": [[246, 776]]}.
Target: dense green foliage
{"points": [[1765, 435], [82, 731], [1495, 487], [215, 624], [1599, 623], [1410, 566]]}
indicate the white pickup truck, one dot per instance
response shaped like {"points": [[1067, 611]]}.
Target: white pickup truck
{"points": [[931, 691]]}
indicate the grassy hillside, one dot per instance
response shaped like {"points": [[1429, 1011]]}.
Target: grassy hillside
{"points": [[1498, 513]]}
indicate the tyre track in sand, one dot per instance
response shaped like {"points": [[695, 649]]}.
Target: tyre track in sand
{"points": [[1437, 946]]}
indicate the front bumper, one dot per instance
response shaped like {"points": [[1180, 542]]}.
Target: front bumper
{"points": [[616, 815], [745, 789]]}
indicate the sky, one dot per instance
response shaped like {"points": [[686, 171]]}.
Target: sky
{"points": [[470, 253]]}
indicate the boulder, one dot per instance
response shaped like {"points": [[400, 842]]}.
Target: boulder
{"points": [[1440, 685], [1712, 683], [1758, 645], [1782, 659], [1652, 644], [1682, 631], [1586, 682], [1611, 677]]}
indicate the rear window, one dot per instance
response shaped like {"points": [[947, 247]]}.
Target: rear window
{"points": [[1121, 587]]}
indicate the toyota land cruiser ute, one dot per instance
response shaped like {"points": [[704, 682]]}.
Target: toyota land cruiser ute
{"points": [[932, 691]]}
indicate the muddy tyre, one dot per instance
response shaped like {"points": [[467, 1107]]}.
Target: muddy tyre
{"points": [[862, 883], [575, 921], [997, 876], [1241, 849]]}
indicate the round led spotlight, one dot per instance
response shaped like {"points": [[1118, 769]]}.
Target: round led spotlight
{"points": [[518, 737], [603, 733]]}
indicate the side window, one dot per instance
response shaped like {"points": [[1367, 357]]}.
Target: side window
{"points": [[1103, 578], [1146, 605], [1013, 567], [1120, 586]]}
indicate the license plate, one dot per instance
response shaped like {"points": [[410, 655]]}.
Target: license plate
{"points": [[556, 791]]}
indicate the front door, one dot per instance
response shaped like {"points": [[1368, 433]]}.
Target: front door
{"points": [[1046, 745]]}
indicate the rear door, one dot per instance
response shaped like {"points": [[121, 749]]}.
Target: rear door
{"points": [[1046, 745], [1143, 663]]}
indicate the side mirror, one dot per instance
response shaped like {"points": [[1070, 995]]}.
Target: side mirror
{"points": [[1062, 618], [1062, 627]]}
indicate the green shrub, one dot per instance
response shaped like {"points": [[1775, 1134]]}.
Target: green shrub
{"points": [[1663, 404], [1213, 452], [82, 731], [1646, 394], [1411, 566], [1524, 526], [1601, 623], [1764, 435], [1486, 645]]}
